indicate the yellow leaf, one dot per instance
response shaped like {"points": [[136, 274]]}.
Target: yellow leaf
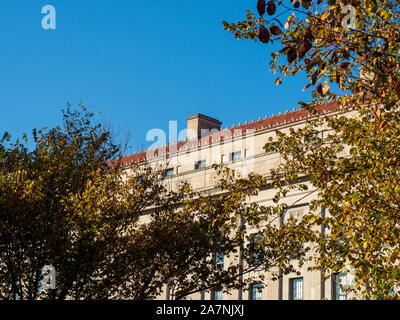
{"points": [[325, 88]]}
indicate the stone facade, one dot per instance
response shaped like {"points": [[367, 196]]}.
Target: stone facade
{"points": [[241, 148]]}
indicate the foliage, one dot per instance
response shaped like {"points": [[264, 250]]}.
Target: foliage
{"points": [[224, 220], [353, 163], [111, 231], [314, 40]]}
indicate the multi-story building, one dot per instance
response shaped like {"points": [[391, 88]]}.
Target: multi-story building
{"points": [[241, 148]]}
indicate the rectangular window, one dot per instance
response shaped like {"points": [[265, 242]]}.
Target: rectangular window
{"points": [[293, 214], [200, 164], [169, 172], [235, 156], [338, 280], [178, 169], [311, 138], [271, 149], [257, 252], [256, 292], [17, 297], [219, 260], [218, 294], [139, 180], [296, 289]]}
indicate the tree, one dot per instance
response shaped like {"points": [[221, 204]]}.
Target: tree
{"points": [[355, 166], [50, 201], [221, 227], [36, 187], [318, 39], [113, 232]]}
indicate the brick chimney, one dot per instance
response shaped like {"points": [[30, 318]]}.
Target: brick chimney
{"points": [[199, 125]]}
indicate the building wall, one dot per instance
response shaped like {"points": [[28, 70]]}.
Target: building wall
{"points": [[253, 159]]}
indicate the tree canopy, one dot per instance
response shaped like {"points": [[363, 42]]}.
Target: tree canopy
{"points": [[115, 232], [350, 52]]}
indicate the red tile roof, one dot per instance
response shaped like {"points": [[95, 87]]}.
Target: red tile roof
{"points": [[267, 122]]}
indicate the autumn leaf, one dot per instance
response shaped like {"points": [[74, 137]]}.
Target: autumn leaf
{"points": [[291, 55], [306, 4], [271, 7], [304, 47], [307, 86], [261, 7], [263, 34], [275, 30], [319, 88], [325, 88]]}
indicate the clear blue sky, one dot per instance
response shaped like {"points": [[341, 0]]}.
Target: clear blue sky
{"points": [[140, 62]]}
